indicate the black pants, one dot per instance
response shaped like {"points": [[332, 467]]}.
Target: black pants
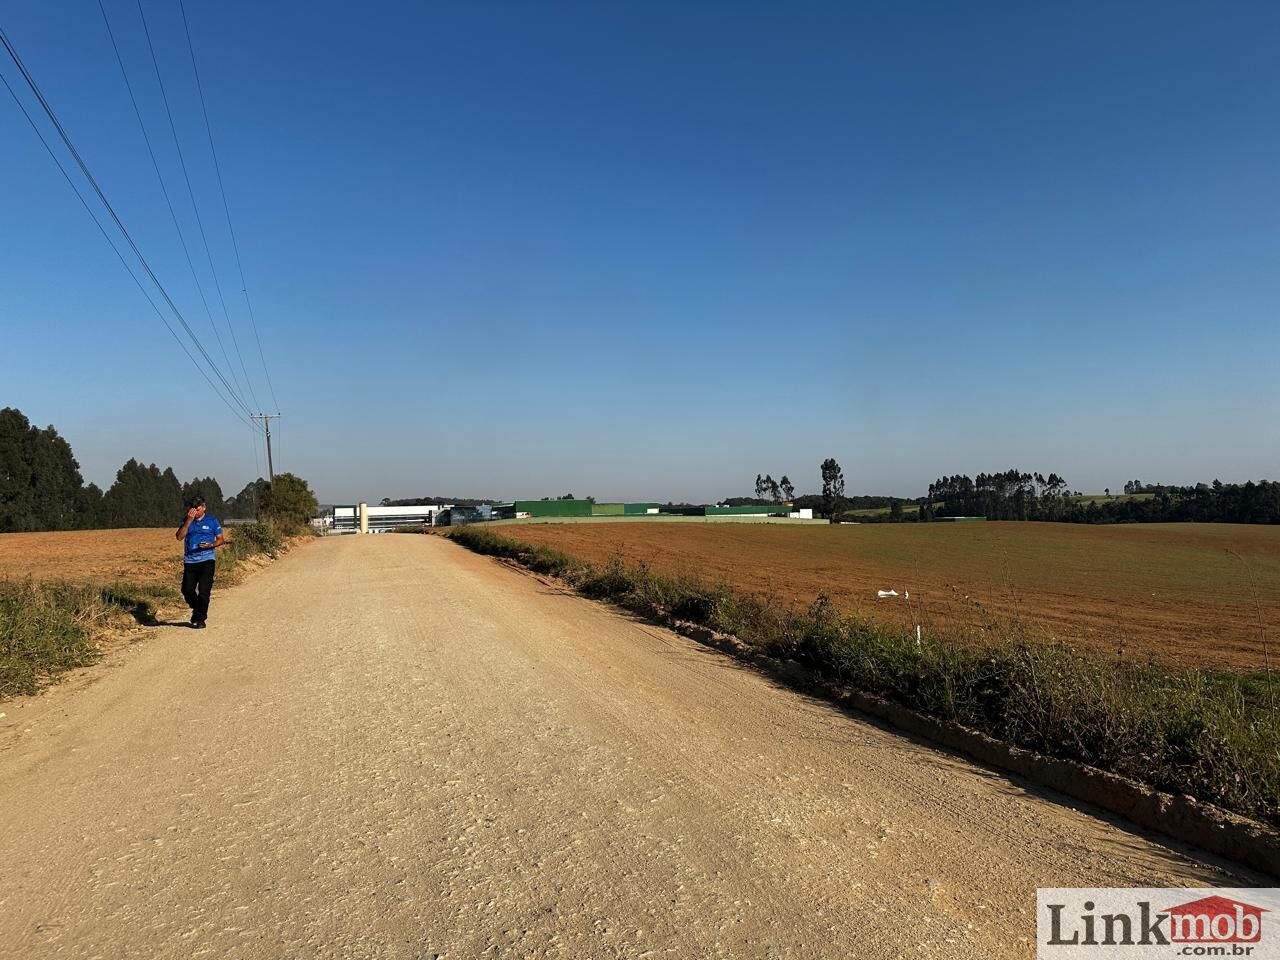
{"points": [[197, 582]]}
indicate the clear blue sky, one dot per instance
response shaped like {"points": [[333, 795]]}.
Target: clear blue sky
{"points": [[648, 250]]}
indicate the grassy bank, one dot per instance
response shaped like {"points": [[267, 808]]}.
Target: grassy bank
{"points": [[1210, 734], [50, 626]]}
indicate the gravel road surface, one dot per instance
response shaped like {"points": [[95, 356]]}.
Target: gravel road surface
{"points": [[388, 747]]}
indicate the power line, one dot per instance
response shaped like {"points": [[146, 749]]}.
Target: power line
{"points": [[137, 112], [244, 287], [84, 168], [116, 250], [196, 209]]}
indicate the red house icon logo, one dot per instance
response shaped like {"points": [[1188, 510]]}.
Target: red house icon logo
{"points": [[1215, 920]]}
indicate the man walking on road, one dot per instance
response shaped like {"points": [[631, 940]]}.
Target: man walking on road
{"points": [[200, 536]]}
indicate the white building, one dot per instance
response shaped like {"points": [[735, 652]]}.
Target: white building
{"points": [[346, 519]]}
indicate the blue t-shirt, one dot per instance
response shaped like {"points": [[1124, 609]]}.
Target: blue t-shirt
{"points": [[205, 530]]}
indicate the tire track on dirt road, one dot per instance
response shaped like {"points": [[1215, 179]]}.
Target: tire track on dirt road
{"points": [[389, 747]]}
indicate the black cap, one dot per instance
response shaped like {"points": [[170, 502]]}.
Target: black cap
{"points": [[196, 501]]}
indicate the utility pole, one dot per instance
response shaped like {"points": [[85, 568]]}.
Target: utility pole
{"points": [[266, 419]]}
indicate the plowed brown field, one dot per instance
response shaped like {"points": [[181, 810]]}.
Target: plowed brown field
{"points": [[1176, 593], [101, 556]]}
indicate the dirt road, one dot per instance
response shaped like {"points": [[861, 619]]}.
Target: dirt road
{"points": [[388, 747]]}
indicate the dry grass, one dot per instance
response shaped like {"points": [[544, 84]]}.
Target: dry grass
{"points": [[50, 626], [1179, 594]]}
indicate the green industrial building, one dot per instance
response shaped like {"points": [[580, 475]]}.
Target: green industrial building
{"points": [[552, 508], [623, 509], [773, 510]]}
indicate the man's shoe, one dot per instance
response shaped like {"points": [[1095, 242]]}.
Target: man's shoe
{"points": [[199, 625]]}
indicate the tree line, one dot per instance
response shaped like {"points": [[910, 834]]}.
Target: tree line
{"points": [[1215, 502], [1014, 495], [41, 488], [1009, 495], [432, 501]]}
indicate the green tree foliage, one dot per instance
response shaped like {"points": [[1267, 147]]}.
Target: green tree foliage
{"points": [[1014, 495], [170, 498], [89, 506], [40, 483], [143, 496], [832, 488], [41, 487], [1011, 495], [208, 488], [768, 491], [246, 504], [289, 500]]}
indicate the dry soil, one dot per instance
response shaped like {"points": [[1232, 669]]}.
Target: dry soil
{"points": [[1204, 595], [389, 747], [101, 556]]}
